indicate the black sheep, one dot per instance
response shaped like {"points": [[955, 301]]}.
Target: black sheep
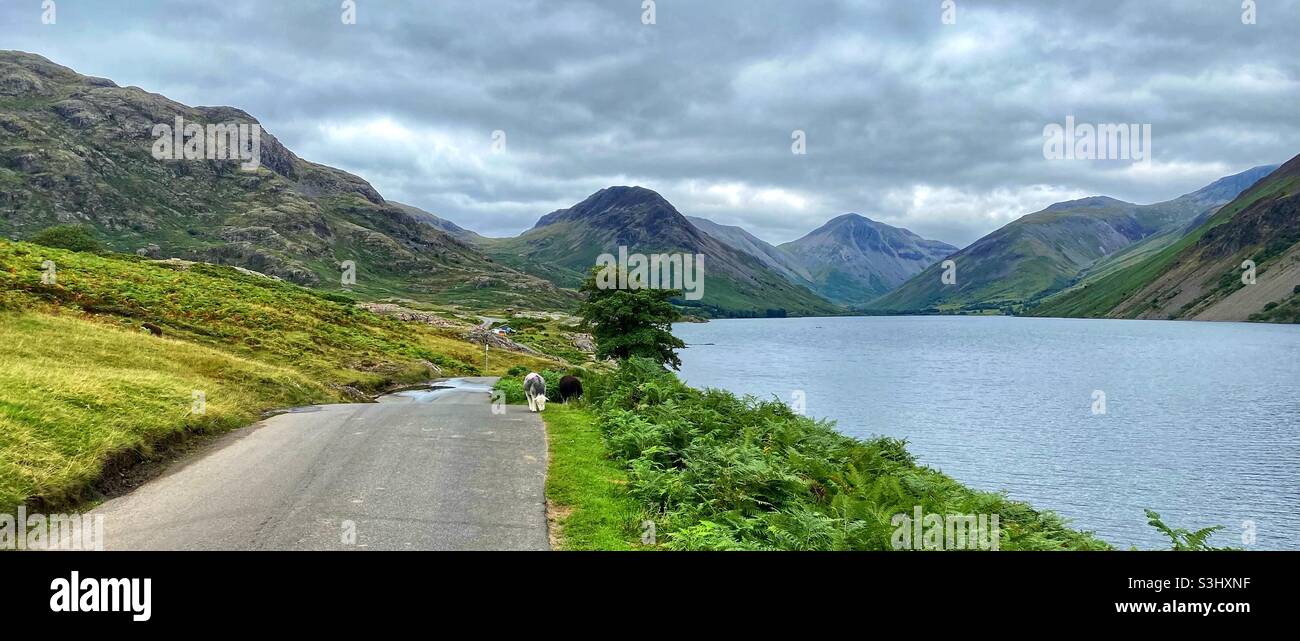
{"points": [[570, 387]]}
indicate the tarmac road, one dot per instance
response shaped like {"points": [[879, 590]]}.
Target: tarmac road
{"points": [[423, 470]]}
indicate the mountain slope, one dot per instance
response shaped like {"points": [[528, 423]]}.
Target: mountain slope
{"points": [[436, 222], [1199, 275], [770, 255], [77, 150], [1048, 251], [852, 259], [564, 245]]}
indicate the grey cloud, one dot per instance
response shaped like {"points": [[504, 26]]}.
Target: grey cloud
{"points": [[892, 100]]}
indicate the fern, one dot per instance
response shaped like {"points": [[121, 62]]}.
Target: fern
{"points": [[723, 472], [1185, 540]]}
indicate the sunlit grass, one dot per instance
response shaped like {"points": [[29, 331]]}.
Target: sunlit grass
{"points": [[74, 393], [81, 383]]}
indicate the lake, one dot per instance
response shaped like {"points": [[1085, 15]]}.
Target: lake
{"points": [[1095, 419]]}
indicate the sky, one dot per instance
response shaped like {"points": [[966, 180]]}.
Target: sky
{"points": [[922, 114]]}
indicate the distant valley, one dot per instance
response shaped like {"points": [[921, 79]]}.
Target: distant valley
{"points": [[1063, 246]]}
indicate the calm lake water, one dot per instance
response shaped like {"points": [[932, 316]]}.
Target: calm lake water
{"points": [[1201, 422]]}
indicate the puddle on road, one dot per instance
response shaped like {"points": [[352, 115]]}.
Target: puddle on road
{"points": [[436, 390]]}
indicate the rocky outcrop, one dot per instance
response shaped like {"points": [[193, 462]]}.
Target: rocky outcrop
{"points": [[582, 342], [490, 338], [413, 316]]}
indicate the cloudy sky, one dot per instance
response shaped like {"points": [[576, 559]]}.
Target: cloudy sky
{"points": [[908, 120]]}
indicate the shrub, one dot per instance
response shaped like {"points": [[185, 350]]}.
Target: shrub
{"points": [[513, 389], [71, 237]]}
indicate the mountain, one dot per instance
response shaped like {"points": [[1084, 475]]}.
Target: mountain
{"points": [[852, 259], [564, 245], [1048, 251], [441, 224], [1199, 276], [770, 255], [80, 150]]}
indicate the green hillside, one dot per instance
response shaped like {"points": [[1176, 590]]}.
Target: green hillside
{"points": [[79, 150], [1062, 246], [1264, 219], [85, 388]]}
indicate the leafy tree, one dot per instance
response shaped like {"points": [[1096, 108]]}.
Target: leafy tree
{"points": [[631, 322], [73, 237]]}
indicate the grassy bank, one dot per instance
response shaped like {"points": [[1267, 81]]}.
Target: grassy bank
{"points": [[73, 395], [718, 472], [586, 492], [82, 386]]}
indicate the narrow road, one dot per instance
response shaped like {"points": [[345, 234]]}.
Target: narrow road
{"points": [[423, 470]]}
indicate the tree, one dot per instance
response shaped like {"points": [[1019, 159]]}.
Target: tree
{"points": [[73, 237], [631, 322]]}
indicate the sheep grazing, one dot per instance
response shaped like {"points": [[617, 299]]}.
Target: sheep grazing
{"points": [[570, 387], [535, 391]]}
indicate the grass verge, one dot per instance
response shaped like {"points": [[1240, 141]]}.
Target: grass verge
{"points": [[586, 492]]}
